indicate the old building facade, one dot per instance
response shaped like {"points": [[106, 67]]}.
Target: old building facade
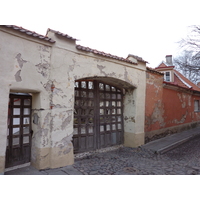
{"points": [[172, 101], [59, 98]]}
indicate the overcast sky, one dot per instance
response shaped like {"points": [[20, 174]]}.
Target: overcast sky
{"points": [[146, 28]]}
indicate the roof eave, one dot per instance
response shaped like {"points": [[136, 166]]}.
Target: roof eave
{"points": [[29, 33]]}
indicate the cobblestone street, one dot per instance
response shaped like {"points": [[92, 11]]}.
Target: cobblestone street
{"points": [[183, 160]]}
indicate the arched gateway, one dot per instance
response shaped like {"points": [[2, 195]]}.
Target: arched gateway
{"points": [[98, 115]]}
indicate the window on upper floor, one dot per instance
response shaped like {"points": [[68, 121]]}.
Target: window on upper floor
{"points": [[196, 106], [167, 76]]}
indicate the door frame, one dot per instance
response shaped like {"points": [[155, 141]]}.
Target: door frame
{"points": [[18, 150]]}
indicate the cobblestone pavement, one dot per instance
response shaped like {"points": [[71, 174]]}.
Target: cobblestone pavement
{"points": [[184, 160]]}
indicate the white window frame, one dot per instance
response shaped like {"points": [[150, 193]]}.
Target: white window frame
{"points": [[196, 106], [170, 76]]}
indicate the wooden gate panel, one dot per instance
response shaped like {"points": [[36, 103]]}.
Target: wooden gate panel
{"points": [[98, 113]]}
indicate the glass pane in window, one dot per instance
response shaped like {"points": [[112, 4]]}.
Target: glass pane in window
{"points": [[113, 103], [26, 140], [113, 89], [25, 130], [16, 131], [83, 84], [76, 84], [16, 111], [101, 111], [75, 131], [82, 102], [91, 112], [90, 129], [83, 94], [26, 120], [113, 119], [90, 103], [16, 121], [119, 103], [113, 127], [113, 111], [101, 103], [107, 88], [27, 102], [91, 94], [90, 85], [107, 127], [113, 96], [15, 141], [90, 120], [119, 96], [102, 128], [76, 93], [17, 101], [101, 86], [83, 130], [26, 111], [101, 95], [119, 126], [107, 96], [118, 111]]}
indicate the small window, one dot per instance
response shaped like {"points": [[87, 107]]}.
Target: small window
{"points": [[196, 105], [167, 76]]}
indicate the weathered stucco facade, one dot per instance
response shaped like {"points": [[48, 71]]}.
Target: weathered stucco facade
{"points": [[169, 106], [47, 68]]}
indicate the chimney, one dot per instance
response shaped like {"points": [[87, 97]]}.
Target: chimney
{"points": [[169, 60]]}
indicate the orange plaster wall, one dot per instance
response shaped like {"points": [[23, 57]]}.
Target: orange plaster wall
{"points": [[153, 106], [179, 107], [166, 107]]}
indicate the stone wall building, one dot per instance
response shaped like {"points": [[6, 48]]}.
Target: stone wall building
{"points": [[58, 98]]}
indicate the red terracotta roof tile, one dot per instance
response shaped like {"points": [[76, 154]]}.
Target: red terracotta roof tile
{"points": [[154, 71], [61, 34], [186, 82], [164, 65], [101, 53], [28, 32], [137, 58]]}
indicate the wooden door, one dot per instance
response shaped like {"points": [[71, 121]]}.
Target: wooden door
{"points": [[98, 116], [19, 130]]}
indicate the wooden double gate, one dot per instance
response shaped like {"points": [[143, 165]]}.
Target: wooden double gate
{"points": [[98, 116], [19, 130]]}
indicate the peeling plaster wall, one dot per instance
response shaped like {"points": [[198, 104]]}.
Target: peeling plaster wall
{"points": [[166, 108], [179, 108], [76, 65], [25, 67], [48, 72], [154, 111]]}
